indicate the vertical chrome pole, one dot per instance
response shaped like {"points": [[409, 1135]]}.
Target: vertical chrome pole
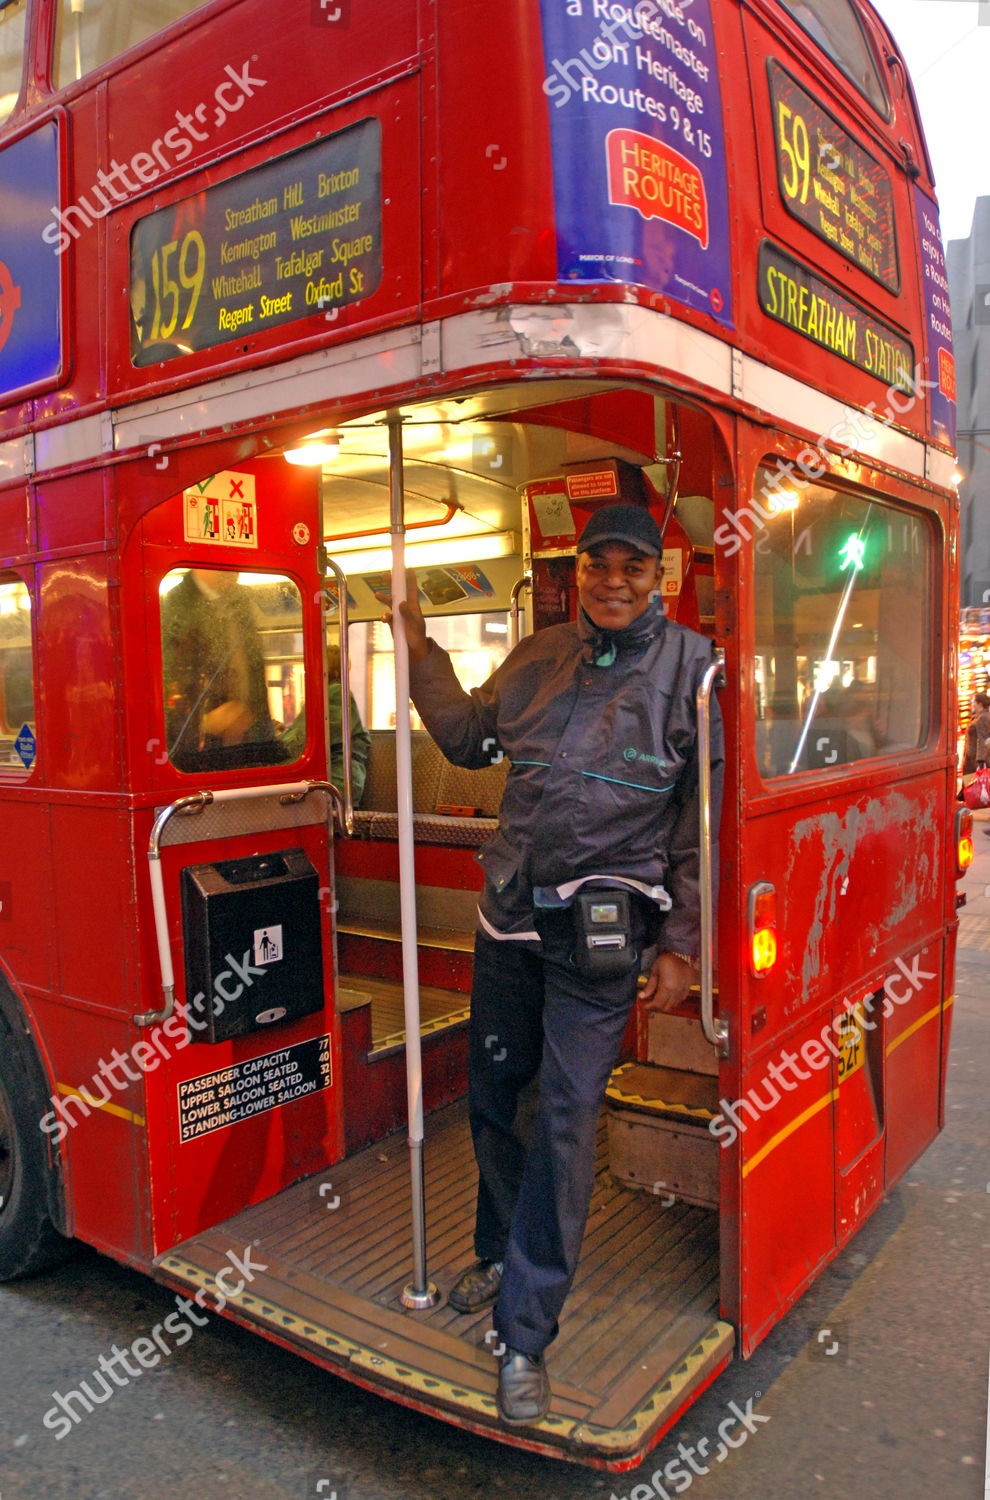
{"points": [[420, 1293]]}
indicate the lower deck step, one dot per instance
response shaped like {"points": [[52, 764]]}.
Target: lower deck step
{"points": [[658, 1135], [439, 1009]]}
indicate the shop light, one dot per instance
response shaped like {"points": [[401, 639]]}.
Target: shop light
{"points": [[762, 928], [782, 500]]}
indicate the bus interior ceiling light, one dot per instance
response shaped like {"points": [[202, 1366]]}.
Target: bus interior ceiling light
{"points": [[321, 448], [483, 545]]}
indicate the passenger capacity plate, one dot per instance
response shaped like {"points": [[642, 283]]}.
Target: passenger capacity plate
{"points": [[228, 1095]]}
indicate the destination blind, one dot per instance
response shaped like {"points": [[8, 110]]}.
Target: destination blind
{"points": [[831, 184], [799, 299], [298, 237]]}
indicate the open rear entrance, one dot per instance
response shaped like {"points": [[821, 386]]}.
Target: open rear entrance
{"points": [[497, 485], [640, 1335]]}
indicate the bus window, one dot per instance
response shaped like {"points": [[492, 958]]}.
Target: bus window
{"points": [[232, 669], [477, 645], [842, 628], [834, 25], [12, 17], [16, 680], [89, 33]]}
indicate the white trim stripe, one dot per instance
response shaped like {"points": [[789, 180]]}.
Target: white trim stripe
{"points": [[487, 338]]}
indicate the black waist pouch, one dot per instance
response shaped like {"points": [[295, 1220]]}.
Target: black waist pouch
{"points": [[603, 938]]}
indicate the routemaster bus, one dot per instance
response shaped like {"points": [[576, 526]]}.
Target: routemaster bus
{"points": [[293, 294]]}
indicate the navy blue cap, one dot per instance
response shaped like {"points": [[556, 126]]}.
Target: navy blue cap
{"points": [[630, 524]]}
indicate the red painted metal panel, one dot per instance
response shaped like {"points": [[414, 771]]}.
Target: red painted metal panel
{"points": [[93, 897], [495, 187], [102, 1134], [783, 1133], [27, 915], [914, 1039], [72, 512], [201, 1181], [16, 531]]}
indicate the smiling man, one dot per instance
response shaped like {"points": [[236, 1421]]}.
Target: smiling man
{"points": [[591, 880]]}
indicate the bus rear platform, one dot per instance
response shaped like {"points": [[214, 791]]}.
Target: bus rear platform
{"points": [[640, 1335]]}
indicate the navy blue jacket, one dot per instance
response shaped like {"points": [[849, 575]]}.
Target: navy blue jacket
{"points": [[603, 776]]}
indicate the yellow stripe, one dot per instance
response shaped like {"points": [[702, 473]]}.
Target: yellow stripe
{"points": [[796, 1123], [828, 1098], [915, 1026], [111, 1109]]}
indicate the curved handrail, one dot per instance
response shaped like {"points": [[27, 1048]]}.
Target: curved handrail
{"points": [[287, 791], [715, 1028]]}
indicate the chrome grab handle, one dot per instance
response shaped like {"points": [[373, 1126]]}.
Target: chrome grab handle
{"points": [[716, 1030], [287, 791], [525, 582], [347, 811]]}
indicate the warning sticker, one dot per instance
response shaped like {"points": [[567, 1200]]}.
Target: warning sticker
{"points": [[229, 1095], [222, 509]]}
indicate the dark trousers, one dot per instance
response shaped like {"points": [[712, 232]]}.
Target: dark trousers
{"points": [[535, 1021]]}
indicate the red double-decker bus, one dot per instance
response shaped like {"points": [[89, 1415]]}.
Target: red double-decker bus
{"points": [[288, 293]]}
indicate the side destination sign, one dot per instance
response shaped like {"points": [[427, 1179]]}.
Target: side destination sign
{"points": [[799, 299], [299, 236], [232, 1094]]}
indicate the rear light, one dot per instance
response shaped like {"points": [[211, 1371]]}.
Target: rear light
{"points": [[761, 922], [964, 840]]}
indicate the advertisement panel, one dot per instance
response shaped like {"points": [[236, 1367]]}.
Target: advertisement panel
{"points": [[30, 273], [638, 148], [941, 371]]}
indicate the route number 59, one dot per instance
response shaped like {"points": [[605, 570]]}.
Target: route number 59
{"points": [[792, 137]]}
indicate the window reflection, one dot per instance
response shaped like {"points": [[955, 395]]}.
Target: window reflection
{"points": [[477, 645], [89, 33], [834, 25], [842, 630], [17, 725], [232, 668], [12, 18]]}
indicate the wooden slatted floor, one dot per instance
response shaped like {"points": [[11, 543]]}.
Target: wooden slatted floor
{"points": [[642, 1313]]}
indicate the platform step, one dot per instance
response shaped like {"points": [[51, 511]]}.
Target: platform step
{"points": [[658, 1136], [439, 1009], [653, 1090]]}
